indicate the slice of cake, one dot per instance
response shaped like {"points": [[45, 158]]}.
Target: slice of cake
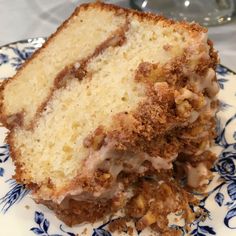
{"points": [[112, 97]]}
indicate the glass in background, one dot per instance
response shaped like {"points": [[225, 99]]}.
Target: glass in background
{"points": [[205, 12]]}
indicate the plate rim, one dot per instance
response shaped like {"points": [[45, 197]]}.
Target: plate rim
{"points": [[22, 41]]}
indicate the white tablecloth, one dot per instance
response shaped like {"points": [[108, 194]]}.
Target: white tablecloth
{"points": [[21, 19]]}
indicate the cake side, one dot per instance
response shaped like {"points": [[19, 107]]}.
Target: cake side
{"points": [[115, 81], [141, 103]]}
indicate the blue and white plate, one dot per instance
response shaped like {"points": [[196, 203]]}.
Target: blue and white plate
{"points": [[21, 216]]}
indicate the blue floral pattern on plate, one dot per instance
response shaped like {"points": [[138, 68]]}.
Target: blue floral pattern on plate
{"points": [[1, 172], [15, 194], [43, 226], [4, 155], [219, 203], [3, 58]]}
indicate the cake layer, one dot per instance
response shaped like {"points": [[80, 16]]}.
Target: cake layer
{"points": [[78, 38], [113, 81], [114, 93]]}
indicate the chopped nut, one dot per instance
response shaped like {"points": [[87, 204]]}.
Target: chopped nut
{"points": [[95, 140], [140, 202], [147, 220], [204, 145], [199, 103], [106, 176], [184, 94], [184, 109]]}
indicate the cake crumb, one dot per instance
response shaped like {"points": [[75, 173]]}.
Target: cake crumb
{"points": [[130, 231], [119, 225], [85, 231]]}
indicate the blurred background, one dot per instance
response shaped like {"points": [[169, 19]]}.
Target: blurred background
{"points": [[22, 19]]}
